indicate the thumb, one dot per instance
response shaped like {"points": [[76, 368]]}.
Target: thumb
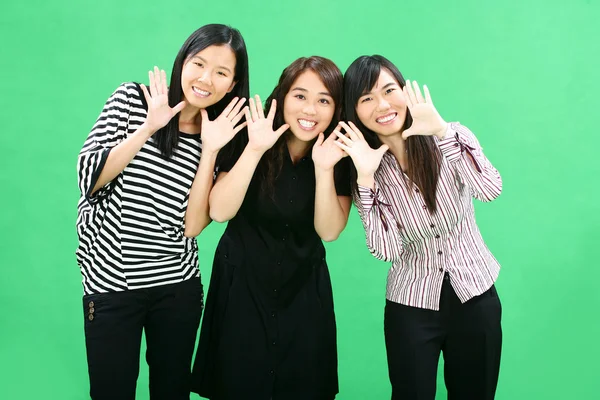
{"points": [[320, 139], [381, 150], [282, 129], [204, 115], [178, 107], [407, 133]]}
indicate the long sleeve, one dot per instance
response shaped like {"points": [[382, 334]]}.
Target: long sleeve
{"points": [[381, 228], [462, 149], [109, 130]]}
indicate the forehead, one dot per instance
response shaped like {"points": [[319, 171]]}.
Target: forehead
{"points": [[218, 55], [385, 77], [310, 81]]}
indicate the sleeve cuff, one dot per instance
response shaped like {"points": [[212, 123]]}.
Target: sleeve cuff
{"points": [[369, 197], [449, 145]]}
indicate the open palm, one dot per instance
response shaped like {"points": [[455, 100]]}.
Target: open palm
{"points": [[159, 111], [325, 153], [217, 133], [261, 136], [426, 119]]}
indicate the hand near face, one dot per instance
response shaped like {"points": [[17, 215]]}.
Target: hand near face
{"points": [[261, 136], [217, 133], [426, 120], [365, 159], [325, 153], [159, 111]]}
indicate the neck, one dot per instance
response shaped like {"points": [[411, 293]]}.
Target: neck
{"points": [[397, 147], [297, 148], [190, 120]]}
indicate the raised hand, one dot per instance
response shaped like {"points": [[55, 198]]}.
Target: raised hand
{"points": [[159, 111], [426, 120], [325, 153], [217, 133], [261, 136], [365, 159]]}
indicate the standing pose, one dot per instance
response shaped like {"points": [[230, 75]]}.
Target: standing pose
{"points": [[145, 174], [269, 327], [416, 177]]}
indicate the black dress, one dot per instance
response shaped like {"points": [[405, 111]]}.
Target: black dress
{"points": [[269, 326]]}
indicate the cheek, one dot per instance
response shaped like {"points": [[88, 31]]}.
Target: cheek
{"points": [[363, 112]]}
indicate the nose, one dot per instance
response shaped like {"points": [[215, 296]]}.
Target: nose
{"points": [[205, 77], [383, 105], [309, 109]]}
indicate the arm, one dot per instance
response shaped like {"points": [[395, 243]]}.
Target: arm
{"points": [[228, 194], [381, 229], [331, 210], [461, 148]]}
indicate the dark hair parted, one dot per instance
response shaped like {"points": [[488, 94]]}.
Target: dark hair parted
{"points": [[206, 36], [272, 161], [424, 159]]}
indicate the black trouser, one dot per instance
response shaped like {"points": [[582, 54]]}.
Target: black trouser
{"points": [[469, 335], [168, 314]]}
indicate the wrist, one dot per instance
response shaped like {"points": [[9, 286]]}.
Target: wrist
{"points": [[366, 181], [147, 130], [441, 131]]}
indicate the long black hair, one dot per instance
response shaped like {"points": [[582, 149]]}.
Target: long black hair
{"points": [[208, 35], [424, 159]]}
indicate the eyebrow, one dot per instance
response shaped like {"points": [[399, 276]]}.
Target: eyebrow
{"points": [[384, 87], [306, 91], [220, 66]]}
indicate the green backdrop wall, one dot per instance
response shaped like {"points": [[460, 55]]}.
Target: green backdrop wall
{"points": [[521, 74]]}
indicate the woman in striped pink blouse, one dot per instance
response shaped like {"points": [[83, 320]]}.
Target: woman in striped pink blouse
{"points": [[416, 177]]}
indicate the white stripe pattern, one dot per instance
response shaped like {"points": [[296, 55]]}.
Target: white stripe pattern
{"points": [[422, 246], [131, 231]]}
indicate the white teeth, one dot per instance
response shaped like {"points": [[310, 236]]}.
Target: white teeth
{"points": [[307, 124], [200, 92], [387, 118]]}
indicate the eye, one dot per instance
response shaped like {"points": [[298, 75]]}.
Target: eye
{"points": [[365, 99], [222, 73], [324, 101], [390, 90], [199, 64], [300, 97]]}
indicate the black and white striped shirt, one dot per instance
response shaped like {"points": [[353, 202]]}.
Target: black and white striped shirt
{"points": [[423, 246], [131, 230]]}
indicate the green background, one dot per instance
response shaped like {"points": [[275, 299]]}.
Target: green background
{"points": [[523, 75]]}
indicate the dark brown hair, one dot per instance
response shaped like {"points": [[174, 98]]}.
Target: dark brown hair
{"points": [[424, 158], [331, 76]]}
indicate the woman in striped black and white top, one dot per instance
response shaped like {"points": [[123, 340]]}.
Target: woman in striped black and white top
{"points": [[145, 173], [416, 177]]}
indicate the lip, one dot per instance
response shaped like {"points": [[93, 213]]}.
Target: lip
{"points": [[197, 93], [392, 119], [307, 128]]}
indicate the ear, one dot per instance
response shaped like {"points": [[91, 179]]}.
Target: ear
{"points": [[231, 87]]}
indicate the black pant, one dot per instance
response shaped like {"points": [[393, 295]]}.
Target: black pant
{"points": [[469, 335], [168, 314]]}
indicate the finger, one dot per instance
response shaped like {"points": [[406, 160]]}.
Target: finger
{"points": [[409, 102], [204, 115], [272, 110], [237, 118], [356, 130], [346, 140], [383, 149], [163, 76], [236, 110], [152, 83], [145, 91], [157, 80], [320, 139], [282, 129], [427, 95], [406, 134], [178, 107], [259, 107], [331, 136], [343, 147], [240, 127], [247, 115], [347, 128], [417, 91], [227, 110], [253, 111]]}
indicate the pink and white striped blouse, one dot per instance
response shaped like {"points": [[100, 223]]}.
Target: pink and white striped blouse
{"points": [[423, 246]]}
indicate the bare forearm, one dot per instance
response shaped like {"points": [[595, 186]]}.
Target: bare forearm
{"points": [[228, 194], [121, 155], [330, 216], [197, 213]]}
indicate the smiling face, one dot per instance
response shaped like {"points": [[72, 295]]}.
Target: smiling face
{"points": [[208, 76], [383, 109], [308, 107]]}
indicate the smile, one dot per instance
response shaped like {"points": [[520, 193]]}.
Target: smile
{"points": [[200, 92], [306, 124], [386, 119]]}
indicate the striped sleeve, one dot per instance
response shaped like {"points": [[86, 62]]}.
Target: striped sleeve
{"points": [[109, 130], [462, 149], [381, 228]]}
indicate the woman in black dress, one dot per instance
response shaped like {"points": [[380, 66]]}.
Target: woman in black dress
{"points": [[269, 327]]}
